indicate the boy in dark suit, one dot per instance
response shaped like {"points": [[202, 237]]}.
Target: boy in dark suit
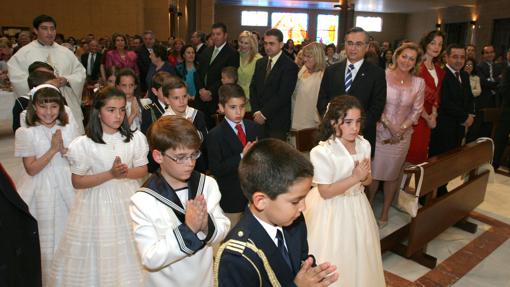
{"points": [[227, 143], [268, 247]]}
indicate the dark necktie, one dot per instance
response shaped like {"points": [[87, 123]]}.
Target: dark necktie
{"points": [[457, 75], [268, 67], [348, 78], [240, 134], [282, 249]]}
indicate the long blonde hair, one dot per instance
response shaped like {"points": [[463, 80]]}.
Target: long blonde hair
{"points": [[252, 40], [316, 49]]}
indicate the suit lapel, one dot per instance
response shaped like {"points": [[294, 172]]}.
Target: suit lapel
{"points": [[360, 75], [231, 136]]}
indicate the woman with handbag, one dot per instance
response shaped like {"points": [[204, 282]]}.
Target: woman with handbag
{"points": [[404, 105]]}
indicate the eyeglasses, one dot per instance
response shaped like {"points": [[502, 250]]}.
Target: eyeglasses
{"points": [[357, 44], [184, 158]]}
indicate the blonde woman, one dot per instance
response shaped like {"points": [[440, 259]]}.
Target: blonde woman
{"points": [[248, 54], [304, 99], [404, 105]]}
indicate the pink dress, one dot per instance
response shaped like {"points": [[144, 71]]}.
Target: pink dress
{"points": [[113, 58], [404, 104]]}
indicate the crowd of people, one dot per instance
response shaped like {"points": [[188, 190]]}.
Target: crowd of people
{"points": [[183, 149]]}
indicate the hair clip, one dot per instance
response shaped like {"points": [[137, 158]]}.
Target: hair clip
{"points": [[42, 86]]}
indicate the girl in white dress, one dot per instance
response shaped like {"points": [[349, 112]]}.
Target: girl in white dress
{"points": [[98, 247], [47, 187], [127, 81], [341, 225]]}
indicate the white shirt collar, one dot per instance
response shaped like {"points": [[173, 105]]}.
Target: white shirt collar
{"points": [[233, 124], [451, 69], [271, 230], [275, 58], [200, 46], [220, 47]]}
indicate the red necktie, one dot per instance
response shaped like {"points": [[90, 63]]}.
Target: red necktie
{"points": [[240, 134]]}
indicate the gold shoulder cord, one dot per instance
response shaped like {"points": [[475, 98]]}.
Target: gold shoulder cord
{"points": [[239, 246]]}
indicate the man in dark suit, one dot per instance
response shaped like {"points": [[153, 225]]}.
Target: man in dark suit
{"points": [[143, 60], [271, 87], [92, 61], [358, 78], [211, 62], [503, 129], [20, 255], [198, 42], [456, 111], [489, 73]]}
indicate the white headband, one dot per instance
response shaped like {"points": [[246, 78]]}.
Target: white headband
{"points": [[42, 86]]}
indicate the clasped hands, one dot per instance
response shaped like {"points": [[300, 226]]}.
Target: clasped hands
{"points": [[57, 143], [322, 275], [362, 169], [196, 217]]}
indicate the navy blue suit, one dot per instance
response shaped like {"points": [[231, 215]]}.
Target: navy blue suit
{"points": [[239, 265], [224, 153]]}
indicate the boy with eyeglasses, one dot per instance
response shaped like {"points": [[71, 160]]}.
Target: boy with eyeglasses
{"points": [[176, 213]]}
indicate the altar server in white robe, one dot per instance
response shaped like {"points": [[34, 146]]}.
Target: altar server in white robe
{"points": [[69, 71]]}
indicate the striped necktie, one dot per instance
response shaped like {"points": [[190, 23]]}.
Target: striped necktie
{"points": [[348, 78]]}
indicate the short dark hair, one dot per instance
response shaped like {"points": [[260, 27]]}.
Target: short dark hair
{"points": [[275, 32], [429, 37], [358, 30], [37, 78], [271, 166], [230, 72], [485, 46], [219, 25], [94, 129], [159, 51], [172, 82], [454, 46], [126, 72], [171, 132], [38, 64], [230, 91], [41, 19], [337, 110], [159, 78], [201, 35], [43, 96]]}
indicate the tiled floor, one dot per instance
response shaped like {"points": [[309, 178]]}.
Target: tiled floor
{"points": [[464, 259]]}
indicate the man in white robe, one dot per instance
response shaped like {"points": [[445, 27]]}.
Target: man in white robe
{"points": [[69, 71]]}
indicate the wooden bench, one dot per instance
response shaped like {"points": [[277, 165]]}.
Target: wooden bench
{"points": [[440, 213], [306, 139], [217, 118]]}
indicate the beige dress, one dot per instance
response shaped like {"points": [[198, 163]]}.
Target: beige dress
{"points": [[304, 100]]}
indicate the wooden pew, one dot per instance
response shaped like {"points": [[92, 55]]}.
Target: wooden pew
{"points": [[452, 209], [306, 139]]}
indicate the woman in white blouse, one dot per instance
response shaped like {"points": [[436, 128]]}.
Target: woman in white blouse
{"points": [[304, 99], [474, 80]]}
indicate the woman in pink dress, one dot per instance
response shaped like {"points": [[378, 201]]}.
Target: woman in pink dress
{"points": [[431, 72], [120, 57], [404, 104]]}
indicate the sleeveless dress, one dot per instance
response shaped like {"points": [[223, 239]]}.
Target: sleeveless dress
{"points": [[50, 193], [98, 247], [342, 230]]}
